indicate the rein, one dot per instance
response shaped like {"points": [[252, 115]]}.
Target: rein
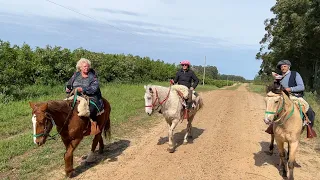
{"points": [[48, 116], [279, 111]]}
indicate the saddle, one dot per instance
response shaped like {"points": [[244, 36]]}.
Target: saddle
{"points": [[83, 110], [183, 92]]}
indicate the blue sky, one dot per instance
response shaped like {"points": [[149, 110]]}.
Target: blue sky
{"points": [[227, 32]]}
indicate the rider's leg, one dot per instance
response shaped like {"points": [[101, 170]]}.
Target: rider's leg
{"points": [[93, 112], [189, 102], [311, 115]]}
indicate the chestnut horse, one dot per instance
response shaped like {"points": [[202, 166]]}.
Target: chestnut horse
{"points": [[70, 126]]}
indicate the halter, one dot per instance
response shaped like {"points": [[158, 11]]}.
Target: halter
{"points": [[158, 100], [48, 116], [45, 129], [279, 111]]}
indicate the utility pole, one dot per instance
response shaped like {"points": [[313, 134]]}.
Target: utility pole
{"points": [[227, 80], [204, 70]]}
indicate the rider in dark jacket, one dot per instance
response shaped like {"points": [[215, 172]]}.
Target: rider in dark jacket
{"points": [[85, 80], [184, 77]]}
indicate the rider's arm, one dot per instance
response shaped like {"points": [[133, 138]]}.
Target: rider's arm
{"points": [[68, 87], [176, 79], [195, 80], [93, 87], [300, 85]]}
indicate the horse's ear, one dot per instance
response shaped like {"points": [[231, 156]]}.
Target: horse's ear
{"points": [[145, 87], [44, 107], [32, 105]]}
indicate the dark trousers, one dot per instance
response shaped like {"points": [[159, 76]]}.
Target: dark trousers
{"points": [[93, 112], [189, 100]]}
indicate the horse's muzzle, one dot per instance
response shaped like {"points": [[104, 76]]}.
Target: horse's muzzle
{"points": [[267, 121]]}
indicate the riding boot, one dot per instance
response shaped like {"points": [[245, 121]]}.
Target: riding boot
{"points": [[311, 116], [189, 105], [270, 129]]}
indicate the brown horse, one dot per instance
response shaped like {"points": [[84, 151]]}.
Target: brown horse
{"points": [[70, 126], [287, 124]]}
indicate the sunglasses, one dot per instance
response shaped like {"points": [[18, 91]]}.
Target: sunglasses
{"points": [[184, 65]]}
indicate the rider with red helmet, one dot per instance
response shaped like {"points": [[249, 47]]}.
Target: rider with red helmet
{"points": [[184, 77]]}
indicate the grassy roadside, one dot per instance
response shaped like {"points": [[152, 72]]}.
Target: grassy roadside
{"points": [[21, 159], [309, 97]]}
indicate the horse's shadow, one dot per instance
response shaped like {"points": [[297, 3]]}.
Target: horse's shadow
{"points": [[179, 137], [111, 152], [263, 157]]}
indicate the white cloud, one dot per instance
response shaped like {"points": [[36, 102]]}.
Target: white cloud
{"points": [[238, 22]]}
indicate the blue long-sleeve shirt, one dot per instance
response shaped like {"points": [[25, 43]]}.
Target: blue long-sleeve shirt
{"points": [[285, 82]]}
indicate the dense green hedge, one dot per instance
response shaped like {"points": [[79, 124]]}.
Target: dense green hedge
{"points": [[22, 67]]}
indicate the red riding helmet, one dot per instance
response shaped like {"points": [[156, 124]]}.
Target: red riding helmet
{"points": [[185, 62]]}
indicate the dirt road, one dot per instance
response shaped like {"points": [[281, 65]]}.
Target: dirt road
{"points": [[229, 143]]}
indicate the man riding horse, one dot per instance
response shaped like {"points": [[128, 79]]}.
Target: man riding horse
{"points": [[293, 83]]}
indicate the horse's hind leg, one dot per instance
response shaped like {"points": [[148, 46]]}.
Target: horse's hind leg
{"points": [[292, 155], [101, 145], [189, 129], [95, 141], [170, 136]]}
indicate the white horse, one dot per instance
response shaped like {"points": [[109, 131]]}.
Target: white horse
{"points": [[169, 103]]}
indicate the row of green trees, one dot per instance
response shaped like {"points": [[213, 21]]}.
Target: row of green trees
{"points": [[293, 34], [22, 66]]}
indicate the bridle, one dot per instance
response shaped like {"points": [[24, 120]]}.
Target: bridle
{"points": [[157, 103], [46, 129], [279, 110]]}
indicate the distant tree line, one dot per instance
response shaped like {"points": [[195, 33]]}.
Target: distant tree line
{"points": [[22, 66]]}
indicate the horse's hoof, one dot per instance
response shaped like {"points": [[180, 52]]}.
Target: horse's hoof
{"points": [[170, 150], [284, 174], [100, 151], [185, 142], [71, 174], [189, 137]]}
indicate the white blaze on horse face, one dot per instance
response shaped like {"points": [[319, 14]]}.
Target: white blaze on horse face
{"points": [[34, 122], [148, 103]]}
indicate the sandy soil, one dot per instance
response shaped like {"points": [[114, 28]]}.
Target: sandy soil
{"points": [[229, 143]]}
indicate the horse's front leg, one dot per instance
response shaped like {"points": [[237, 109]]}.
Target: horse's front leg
{"points": [[170, 136], [292, 155], [282, 154], [68, 157], [188, 130], [271, 145]]}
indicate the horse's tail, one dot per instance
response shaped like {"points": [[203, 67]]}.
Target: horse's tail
{"points": [[201, 104], [107, 125]]}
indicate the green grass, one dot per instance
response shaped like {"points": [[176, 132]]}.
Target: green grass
{"points": [[257, 88], [20, 158]]}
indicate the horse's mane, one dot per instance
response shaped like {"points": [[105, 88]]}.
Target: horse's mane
{"points": [[276, 88], [62, 106]]}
